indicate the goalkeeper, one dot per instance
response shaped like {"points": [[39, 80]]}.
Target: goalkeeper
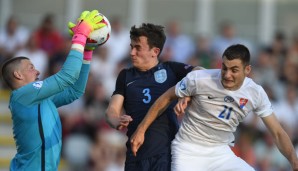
{"points": [[33, 103]]}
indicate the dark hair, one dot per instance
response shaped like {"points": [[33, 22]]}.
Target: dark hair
{"points": [[154, 33], [8, 68], [237, 51]]}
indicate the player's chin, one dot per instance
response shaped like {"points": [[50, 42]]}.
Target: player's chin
{"points": [[135, 64], [36, 79], [228, 84]]}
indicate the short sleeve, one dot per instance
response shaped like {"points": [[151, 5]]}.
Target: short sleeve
{"points": [[187, 86], [120, 83], [180, 69], [264, 107]]}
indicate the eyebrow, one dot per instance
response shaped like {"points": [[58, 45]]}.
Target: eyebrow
{"points": [[233, 67], [135, 45]]}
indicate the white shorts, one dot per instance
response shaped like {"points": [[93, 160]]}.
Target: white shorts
{"points": [[195, 157]]}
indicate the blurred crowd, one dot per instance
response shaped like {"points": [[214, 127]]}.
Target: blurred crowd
{"points": [[90, 144]]}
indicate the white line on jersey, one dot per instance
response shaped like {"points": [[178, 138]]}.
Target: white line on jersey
{"points": [[130, 83]]}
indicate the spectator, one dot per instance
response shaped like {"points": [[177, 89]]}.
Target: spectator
{"points": [[227, 36], [47, 36], [37, 56], [203, 55], [287, 111], [104, 70], [12, 38], [119, 40], [178, 47]]}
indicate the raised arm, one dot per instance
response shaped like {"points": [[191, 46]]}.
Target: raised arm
{"points": [[70, 71], [77, 90], [159, 106], [282, 140]]}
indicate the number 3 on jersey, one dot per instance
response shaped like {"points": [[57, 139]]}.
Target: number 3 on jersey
{"points": [[147, 95], [226, 113]]}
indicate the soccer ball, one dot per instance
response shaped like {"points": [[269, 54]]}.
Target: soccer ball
{"points": [[100, 36]]}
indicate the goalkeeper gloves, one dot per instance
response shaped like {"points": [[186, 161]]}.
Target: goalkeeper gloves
{"points": [[86, 23]]}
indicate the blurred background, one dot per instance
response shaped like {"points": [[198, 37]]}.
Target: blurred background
{"points": [[197, 33]]}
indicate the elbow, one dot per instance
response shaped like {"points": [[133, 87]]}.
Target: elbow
{"points": [[108, 120], [107, 117], [74, 78], [69, 77]]}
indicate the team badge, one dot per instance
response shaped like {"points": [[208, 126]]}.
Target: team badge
{"points": [[182, 85], [160, 76], [38, 84], [187, 66], [243, 102], [228, 99]]}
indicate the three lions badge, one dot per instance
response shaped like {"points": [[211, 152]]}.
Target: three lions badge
{"points": [[160, 76]]}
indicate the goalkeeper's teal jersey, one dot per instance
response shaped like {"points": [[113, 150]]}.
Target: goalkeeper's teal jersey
{"points": [[36, 124]]}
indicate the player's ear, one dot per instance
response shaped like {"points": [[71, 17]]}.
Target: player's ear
{"points": [[156, 51], [17, 75], [247, 69]]}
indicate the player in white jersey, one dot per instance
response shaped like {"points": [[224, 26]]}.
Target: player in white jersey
{"points": [[220, 100]]}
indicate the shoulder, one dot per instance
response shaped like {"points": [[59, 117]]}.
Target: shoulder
{"points": [[250, 83], [177, 66], [253, 88], [204, 74]]}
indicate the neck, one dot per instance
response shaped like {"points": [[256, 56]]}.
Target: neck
{"points": [[149, 66]]}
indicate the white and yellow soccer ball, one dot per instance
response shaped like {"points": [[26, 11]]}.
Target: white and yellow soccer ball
{"points": [[100, 36]]}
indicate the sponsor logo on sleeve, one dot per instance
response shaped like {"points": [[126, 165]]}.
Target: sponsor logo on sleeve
{"points": [[182, 85], [187, 66], [38, 84]]}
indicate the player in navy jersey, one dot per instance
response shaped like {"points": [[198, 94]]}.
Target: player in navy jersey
{"points": [[33, 104], [137, 88]]}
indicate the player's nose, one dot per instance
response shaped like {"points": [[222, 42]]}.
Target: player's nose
{"points": [[133, 52]]}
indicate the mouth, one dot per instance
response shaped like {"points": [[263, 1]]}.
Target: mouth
{"points": [[36, 79], [227, 81]]}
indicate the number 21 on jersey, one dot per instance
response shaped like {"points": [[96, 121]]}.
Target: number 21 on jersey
{"points": [[226, 113]]}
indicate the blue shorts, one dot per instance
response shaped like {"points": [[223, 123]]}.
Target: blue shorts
{"points": [[160, 162]]}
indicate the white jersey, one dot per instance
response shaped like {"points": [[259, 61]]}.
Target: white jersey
{"points": [[215, 112]]}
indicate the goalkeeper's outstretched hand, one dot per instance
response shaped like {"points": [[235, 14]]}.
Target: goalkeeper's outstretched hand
{"points": [[86, 23]]}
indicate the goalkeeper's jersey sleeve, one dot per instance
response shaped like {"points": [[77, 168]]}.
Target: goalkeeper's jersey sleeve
{"points": [[36, 124]]}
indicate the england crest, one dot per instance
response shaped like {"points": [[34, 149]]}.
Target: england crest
{"points": [[160, 76], [38, 84]]}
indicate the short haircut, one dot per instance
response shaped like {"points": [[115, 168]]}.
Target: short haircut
{"points": [[155, 34], [237, 51], [8, 67]]}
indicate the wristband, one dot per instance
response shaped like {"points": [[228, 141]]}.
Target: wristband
{"points": [[79, 39], [88, 55]]}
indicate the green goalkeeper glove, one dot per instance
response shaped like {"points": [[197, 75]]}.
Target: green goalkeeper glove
{"points": [[87, 22]]}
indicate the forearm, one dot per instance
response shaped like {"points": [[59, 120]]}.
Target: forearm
{"points": [[159, 106], [80, 85], [112, 118], [71, 68], [285, 146]]}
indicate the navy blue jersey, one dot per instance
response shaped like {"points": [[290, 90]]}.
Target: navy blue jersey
{"points": [[140, 90]]}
